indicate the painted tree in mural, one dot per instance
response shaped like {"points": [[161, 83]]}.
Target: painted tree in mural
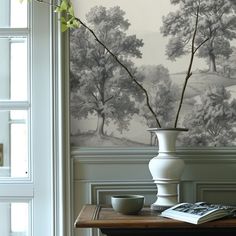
{"points": [[212, 119], [99, 85], [162, 93], [227, 66], [217, 21]]}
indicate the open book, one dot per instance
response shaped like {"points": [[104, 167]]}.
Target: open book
{"points": [[198, 213]]}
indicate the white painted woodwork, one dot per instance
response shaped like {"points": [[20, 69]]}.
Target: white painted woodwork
{"points": [[209, 175]]}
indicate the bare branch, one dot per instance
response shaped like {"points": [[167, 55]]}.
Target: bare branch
{"points": [[95, 97], [189, 72], [108, 99], [126, 69], [201, 44]]}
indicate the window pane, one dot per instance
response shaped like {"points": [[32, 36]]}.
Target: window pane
{"points": [[13, 14], [13, 69], [14, 144], [15, 218], [19, 69], [19, 150], [18, 115], [18, 14], [19, 218]]}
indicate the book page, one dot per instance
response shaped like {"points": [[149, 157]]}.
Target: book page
{"points": [[198, 212]]}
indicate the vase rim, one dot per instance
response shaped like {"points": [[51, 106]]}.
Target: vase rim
{"points": [[171, 129]]}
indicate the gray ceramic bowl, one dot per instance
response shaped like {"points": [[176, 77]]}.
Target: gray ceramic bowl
{"points": [[127, 204]]}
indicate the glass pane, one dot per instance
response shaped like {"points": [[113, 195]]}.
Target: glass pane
{"points": [[19, 150], [14, 144], [19, 69], [15, 218], [13, 69], [13, 14], [18, 14], [18, 115]]}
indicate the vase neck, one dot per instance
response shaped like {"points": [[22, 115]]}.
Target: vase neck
{"points": [[167, 140]]}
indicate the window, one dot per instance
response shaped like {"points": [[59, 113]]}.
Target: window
{"points": [[26, 119], [15, 100]]}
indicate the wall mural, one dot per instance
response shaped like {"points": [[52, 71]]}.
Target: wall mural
{"points": [[152, 38]]}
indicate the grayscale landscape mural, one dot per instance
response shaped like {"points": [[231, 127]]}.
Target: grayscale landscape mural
{"points": [[153, 39]]}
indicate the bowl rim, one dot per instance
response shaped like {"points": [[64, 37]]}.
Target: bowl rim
{"points": [[127, 196]]}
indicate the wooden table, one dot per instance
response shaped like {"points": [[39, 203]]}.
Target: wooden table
{"points": [[147, 223]]}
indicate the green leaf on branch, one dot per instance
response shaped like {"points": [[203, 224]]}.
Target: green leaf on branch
{"points": [[57, 10], [68, 24], [71, 11], [64, 5], [76, 23], [69, 20], [64, 26], [65, 8]]}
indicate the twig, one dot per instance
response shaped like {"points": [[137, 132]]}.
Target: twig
{"points": [[189, 72], [124, 67]]}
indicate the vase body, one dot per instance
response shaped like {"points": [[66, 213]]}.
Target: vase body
{"points": [[166, 168]]}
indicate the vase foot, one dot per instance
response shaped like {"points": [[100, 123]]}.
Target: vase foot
{"points": [[158, 208]]}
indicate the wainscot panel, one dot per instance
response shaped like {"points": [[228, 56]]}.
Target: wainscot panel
{"points": [[210, 175]]}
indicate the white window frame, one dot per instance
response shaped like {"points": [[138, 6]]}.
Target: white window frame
{"points": [[48, 188]]}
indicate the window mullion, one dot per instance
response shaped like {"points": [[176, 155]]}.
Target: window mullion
{"points": [[10, 189], [14, 32], [14, 105]]}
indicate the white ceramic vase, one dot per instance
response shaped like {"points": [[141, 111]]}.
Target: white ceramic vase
{"points": [[166, 168]]}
